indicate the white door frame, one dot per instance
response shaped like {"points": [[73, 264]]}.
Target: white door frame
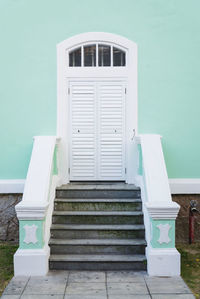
{"points": [[66, 74]]}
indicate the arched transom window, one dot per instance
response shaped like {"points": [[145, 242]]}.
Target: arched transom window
{"points": [[97, 55]]}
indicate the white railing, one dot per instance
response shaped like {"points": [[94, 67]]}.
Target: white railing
{"points": [[159, 210], [35, 210]]}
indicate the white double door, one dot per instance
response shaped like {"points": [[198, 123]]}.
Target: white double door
{"points": [[97, 130]]}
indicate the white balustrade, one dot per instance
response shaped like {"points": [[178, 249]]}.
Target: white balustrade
{"points": [[159, 210], [35, 210]]}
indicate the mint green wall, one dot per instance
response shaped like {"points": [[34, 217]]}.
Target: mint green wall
{"points": [[167, 34]]}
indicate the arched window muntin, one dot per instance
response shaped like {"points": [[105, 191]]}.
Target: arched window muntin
{"points": [[97, 63]]}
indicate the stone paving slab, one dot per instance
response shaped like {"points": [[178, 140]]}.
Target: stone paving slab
{"points": [[84, 288], [128, 288], [85, 297], [129, 296], [171, 296], [97, 285], [46, 285], [84, 276], [10, 297], [41, 297], [124, 276], [164, 285], [16, 286]]}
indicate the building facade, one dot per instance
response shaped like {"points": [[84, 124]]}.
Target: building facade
{"points": [[100, 85]]}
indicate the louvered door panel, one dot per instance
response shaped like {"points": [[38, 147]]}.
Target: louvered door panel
{"points": [[111, 100], [83, 131]]}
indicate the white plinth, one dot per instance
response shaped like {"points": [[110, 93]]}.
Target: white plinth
{"points": [[163, 262], [31, 262]]}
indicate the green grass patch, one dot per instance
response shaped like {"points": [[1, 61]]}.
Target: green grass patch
{"points": [[190, 266], [6, 264]]}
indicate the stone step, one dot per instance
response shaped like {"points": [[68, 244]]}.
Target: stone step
{"points": [[98, 193], [97, 262], [98, 186], [66, 231], [97, 200], [98, 226], [97, 217], [97, 204], [96, 246]]}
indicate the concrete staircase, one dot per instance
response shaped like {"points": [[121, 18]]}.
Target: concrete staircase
{"points": [[98, 227]]}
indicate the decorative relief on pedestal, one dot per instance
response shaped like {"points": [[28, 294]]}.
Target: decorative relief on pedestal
{"points": [[30, 234], [164, 233]]}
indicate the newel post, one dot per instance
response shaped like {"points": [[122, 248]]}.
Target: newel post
{"points": [[163, 257], [35, 210], [32, 256], [160, 211]]}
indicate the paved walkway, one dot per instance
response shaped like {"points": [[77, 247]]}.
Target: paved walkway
{"points": [[97, 285]]}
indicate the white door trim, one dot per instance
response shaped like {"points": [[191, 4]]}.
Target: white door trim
{"points": [[65, 74]]}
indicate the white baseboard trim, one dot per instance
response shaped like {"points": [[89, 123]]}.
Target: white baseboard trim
{"points": [[184, 186], [12, 186]]}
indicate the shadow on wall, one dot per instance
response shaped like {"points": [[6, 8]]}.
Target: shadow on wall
{"points": [[9, 225], [182, 221]]}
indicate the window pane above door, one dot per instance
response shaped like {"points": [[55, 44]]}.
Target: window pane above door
{"points": [[90, 55], [118, 57], [104, 55], [75, 57]]}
